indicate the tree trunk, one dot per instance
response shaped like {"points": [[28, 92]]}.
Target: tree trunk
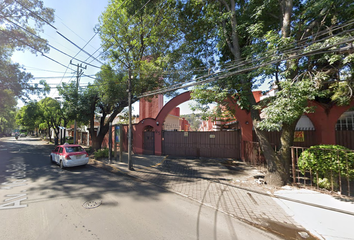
{"points": [[97, 143], [287, 140], [277, 174]]}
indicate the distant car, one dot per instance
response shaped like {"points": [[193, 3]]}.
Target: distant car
{"points": [[69, 155]]}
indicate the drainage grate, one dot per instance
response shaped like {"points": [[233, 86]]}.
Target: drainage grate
{"points": [[92, 204]]}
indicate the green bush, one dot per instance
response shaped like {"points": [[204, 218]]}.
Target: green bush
{"points": [[325, 159], [101, 153]]}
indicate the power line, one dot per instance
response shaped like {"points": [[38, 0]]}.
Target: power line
{"points": [[75, 32], [57, 77], [36, 15], [51, 45], [228, 74], [39, 69], [79, 47], [78, 54]]}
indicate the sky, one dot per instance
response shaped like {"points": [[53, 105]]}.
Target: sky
{"points": [[76, 21]]}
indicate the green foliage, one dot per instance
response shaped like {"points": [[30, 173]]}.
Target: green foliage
{"points": [[194, 121], [288, 105], [29, 116], [139, 39], [18, 25], [325, 183], [101, 153], [326, 158]]}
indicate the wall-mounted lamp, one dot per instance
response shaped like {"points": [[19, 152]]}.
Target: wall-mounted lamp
{"points": [[157, 123]]}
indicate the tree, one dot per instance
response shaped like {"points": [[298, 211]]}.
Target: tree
{"points": [[292, 44], [29, 116], [194, 121], [18, 34], [52, 115], [137, 40], [7, 110]]}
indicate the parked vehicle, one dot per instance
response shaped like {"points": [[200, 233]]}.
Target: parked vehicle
{"points": [[69, 155]]}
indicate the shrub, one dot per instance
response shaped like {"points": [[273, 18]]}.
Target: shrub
{"points": [[101, 153], [325, 159]]}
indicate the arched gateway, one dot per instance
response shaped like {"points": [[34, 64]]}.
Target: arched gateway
{"points": [[148, 133], [155, 126]]}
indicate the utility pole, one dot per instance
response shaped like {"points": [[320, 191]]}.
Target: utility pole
{"points": [[130, 163], [79, 73], [110, 143]]}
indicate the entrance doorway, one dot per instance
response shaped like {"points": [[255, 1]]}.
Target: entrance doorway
{"points": [[149, 141]]}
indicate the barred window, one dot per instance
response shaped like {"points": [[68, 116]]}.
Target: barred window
{"points": [[345, 122]]}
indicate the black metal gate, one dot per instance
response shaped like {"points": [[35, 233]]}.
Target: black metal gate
{"points": [[223, 144], [149, 143]]}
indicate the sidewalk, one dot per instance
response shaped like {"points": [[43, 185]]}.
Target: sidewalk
{"points": [[325, 216], [232, 189]]}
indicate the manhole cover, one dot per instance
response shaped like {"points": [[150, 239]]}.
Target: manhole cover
{"points": [[92, 204]]}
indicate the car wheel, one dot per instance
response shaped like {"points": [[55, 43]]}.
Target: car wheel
{"points": [[61, 165]]}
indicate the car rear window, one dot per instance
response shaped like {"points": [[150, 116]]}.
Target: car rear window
{"points": [[74, 149]]}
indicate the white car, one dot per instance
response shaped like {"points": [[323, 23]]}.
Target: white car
{"points": [[69, 155]]}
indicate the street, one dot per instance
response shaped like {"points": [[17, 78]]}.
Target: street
{"points": [[38, 200]]}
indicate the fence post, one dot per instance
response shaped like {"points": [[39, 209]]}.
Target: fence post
{"points": [[348, 178], [340, 176], [293, 164]]}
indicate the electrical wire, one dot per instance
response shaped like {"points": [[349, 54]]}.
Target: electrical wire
{"points": [[196, 82], [81, 49], [49, 45], [293, 49], [62, 35], [56, 77], [36, 15]]}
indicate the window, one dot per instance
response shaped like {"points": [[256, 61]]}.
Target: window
{"points": [[61, 150], [74, 149], [345, 122]]}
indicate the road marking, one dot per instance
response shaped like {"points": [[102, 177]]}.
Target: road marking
{"points": [[14, 204], [13, 200]]}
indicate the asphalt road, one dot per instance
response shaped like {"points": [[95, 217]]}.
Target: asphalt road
{"points": [[38, 200]]}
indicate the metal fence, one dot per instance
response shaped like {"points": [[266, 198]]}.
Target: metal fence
{"points": [[327, 169], [202, 144]]}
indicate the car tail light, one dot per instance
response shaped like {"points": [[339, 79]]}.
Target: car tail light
{"points": [[67, 157], [87, 155]]}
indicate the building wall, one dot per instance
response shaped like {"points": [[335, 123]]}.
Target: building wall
{"points": [[171, 123], [149, 108]]}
